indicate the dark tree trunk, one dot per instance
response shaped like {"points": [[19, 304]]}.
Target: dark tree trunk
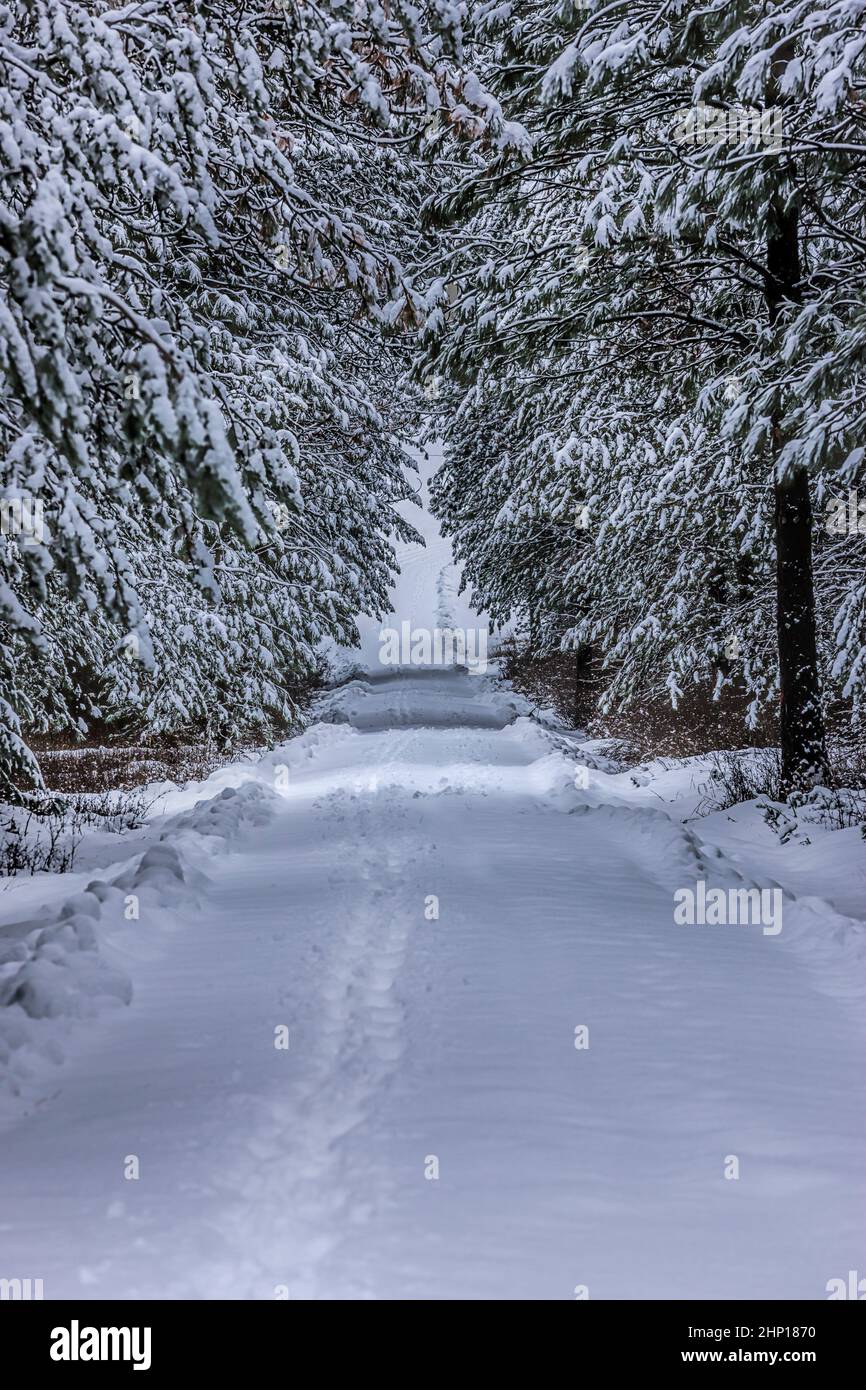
{"points": [[582, 656], [804, 749]]}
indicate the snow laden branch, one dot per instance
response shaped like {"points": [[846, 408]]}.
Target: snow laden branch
{"points": [[204, 210], [653, 349]]}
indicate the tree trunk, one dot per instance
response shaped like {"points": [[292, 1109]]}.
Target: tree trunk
{"points": [[804, 749]]}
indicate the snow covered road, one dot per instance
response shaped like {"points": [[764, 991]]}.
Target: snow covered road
{"points": [[422, 898]]}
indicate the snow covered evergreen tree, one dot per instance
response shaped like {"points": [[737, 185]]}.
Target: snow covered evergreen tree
{"points": [[665, 300], [203, 209]]}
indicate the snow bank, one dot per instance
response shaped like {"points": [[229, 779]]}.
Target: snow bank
{"points": [[55, 968], [53, 972], [817, 869]]}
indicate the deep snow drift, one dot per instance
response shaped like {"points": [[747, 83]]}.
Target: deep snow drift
{"points": [[410, 1016]]}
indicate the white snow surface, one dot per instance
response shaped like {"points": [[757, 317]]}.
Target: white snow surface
{"points": [[295, 892]]}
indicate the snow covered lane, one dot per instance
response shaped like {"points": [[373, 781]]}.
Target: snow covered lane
{"points": [[431, 927]]}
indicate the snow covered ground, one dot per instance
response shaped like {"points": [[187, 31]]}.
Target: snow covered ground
{"points": [[508, 1074]]}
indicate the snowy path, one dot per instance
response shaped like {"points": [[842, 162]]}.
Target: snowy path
{"points": [[304, 904], [412, 1038]]}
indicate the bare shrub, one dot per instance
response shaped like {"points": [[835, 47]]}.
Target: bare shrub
{"points": [[43, 834], [741, 775]]}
